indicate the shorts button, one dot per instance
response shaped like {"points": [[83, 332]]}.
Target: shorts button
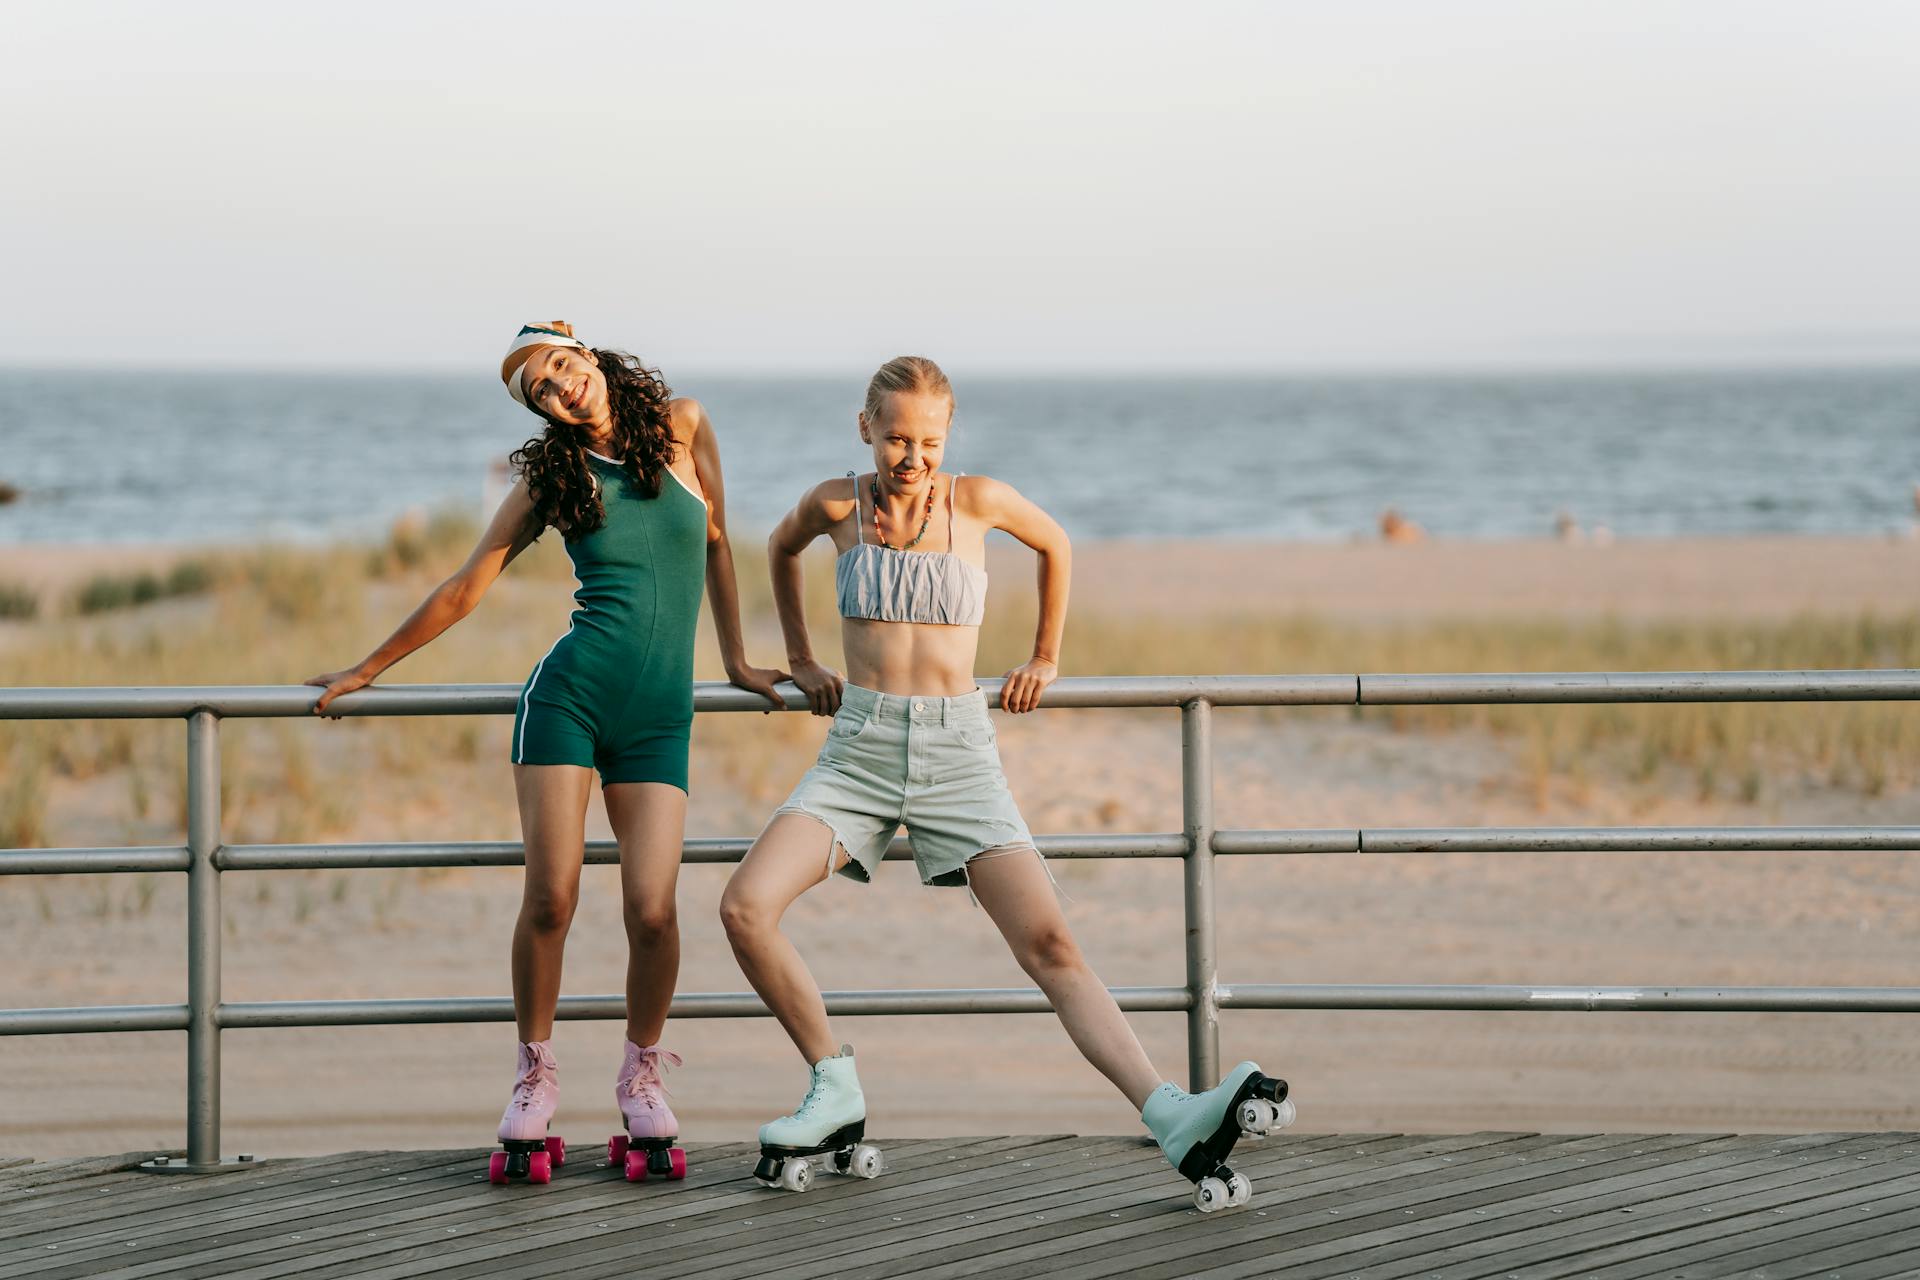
{"points": [[919, 706]]}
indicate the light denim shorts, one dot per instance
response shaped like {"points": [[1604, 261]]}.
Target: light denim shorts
{"points": [[932, 764]]}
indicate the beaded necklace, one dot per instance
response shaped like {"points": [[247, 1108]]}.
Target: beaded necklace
{"points": [[874, 487]]}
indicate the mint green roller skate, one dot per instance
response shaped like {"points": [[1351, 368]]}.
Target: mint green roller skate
{"points": [[1196, 1131], [831, 1120]]}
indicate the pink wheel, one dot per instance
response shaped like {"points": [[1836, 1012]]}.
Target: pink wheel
{"points": [[539, 1167], [677, 1163], [617, 1149], [636, 1165], [497, 1168], [557, 1148]]}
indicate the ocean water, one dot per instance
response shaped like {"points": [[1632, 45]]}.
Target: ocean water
{"points": [[136, 457]]}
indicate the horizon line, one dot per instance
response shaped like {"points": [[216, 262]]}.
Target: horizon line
{"points": [[1811, 363]]}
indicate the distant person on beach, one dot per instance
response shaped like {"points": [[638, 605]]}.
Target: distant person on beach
{"points": [[912, 742], [630, 478], [1395, 527]]}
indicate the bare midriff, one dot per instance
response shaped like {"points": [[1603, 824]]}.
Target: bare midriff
{"points": [[909, 658]]}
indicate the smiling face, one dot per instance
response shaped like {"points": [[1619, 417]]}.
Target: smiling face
{"points": [[909, 437], [566, 385]]}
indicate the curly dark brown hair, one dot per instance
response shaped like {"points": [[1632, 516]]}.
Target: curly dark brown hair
{"points": [[554, 463]]}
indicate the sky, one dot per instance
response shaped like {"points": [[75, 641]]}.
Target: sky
{"points": [[1030, 187]]}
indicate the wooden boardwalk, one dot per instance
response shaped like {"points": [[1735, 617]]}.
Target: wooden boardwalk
{"points": [[1377, 1205]]}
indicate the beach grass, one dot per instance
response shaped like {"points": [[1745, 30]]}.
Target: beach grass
{"points": [[277, 615], [18, 603], [108, 591]]}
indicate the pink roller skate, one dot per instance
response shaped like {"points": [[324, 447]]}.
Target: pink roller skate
{"points": [[528, 1151], [647, 1145]]}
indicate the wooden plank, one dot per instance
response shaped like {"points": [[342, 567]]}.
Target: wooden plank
{"points": [[792, 1226], [1562, 1194], [717, 1190], [1123, 1179], [859, 1206], [761, 1214], [1374, 1231], [161, 1237], [286, 1212], [1666, 1252], [190, 1214], [1853, 1232], [1156, 1201], [1069, 1208], [165, 1195], [1284, 1256], [1052, 1187], [48, 1173], [1331, 1217], [857, 1222], [137, 1192], [1904, 1265], [1533, 1234], [1608, 1215], [476, 1211]]}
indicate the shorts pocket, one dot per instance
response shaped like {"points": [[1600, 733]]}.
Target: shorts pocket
{"points": [[842, 734], [846, 728], [977, 737]]}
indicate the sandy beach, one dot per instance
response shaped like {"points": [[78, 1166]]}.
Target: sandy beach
{"points": [[1723, 918]]}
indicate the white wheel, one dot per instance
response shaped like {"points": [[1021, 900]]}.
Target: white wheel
{"points": [[867, 1162], [1239, 1190], [1283, 1113], [1209, 1194], [1257, 1117], [796, 1174]]}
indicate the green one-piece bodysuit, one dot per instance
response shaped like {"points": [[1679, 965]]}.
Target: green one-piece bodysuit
{"points": [[615, 693]]}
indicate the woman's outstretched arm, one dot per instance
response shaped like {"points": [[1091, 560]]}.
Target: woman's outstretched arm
{"points": [[510, 532], [723, 590]]}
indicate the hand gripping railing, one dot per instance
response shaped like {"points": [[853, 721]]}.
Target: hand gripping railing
{"points": [[204, 857]]}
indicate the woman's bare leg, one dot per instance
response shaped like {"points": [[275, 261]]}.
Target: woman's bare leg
{"points": [[553, 827], [789, 858], [1014, 889], [650, 823]]}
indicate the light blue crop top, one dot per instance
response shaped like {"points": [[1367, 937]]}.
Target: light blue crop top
{"points": [[882, 584]]}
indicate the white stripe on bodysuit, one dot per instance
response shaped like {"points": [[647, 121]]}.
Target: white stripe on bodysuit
{"points": [[526, 699]]}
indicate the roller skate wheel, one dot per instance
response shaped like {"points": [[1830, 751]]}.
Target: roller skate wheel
{"points": [[497, 1168], [557, 1148], [617, 1149], [867, 1162], [1257, 1117], [1283, 1113], [676, 1164], [1239, 1190], [636, 1165], [1209, 1194], [796, 1175], [540, 1167]]}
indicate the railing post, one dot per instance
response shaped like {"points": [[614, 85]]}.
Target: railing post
{"points": [[203, 940], [1196, 803], [203, 953]]}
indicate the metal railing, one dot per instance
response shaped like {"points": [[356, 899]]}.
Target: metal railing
{"points": [[204, 857]]}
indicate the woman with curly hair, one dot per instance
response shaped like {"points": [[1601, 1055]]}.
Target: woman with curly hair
{"points": [[630, 477]]}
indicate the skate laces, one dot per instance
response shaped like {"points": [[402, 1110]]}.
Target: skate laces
{"points": [[646, 1078], [813, 1095], [539, 1074]]}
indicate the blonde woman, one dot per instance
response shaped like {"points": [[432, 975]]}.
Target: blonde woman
{"points": [[912, 743]]}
